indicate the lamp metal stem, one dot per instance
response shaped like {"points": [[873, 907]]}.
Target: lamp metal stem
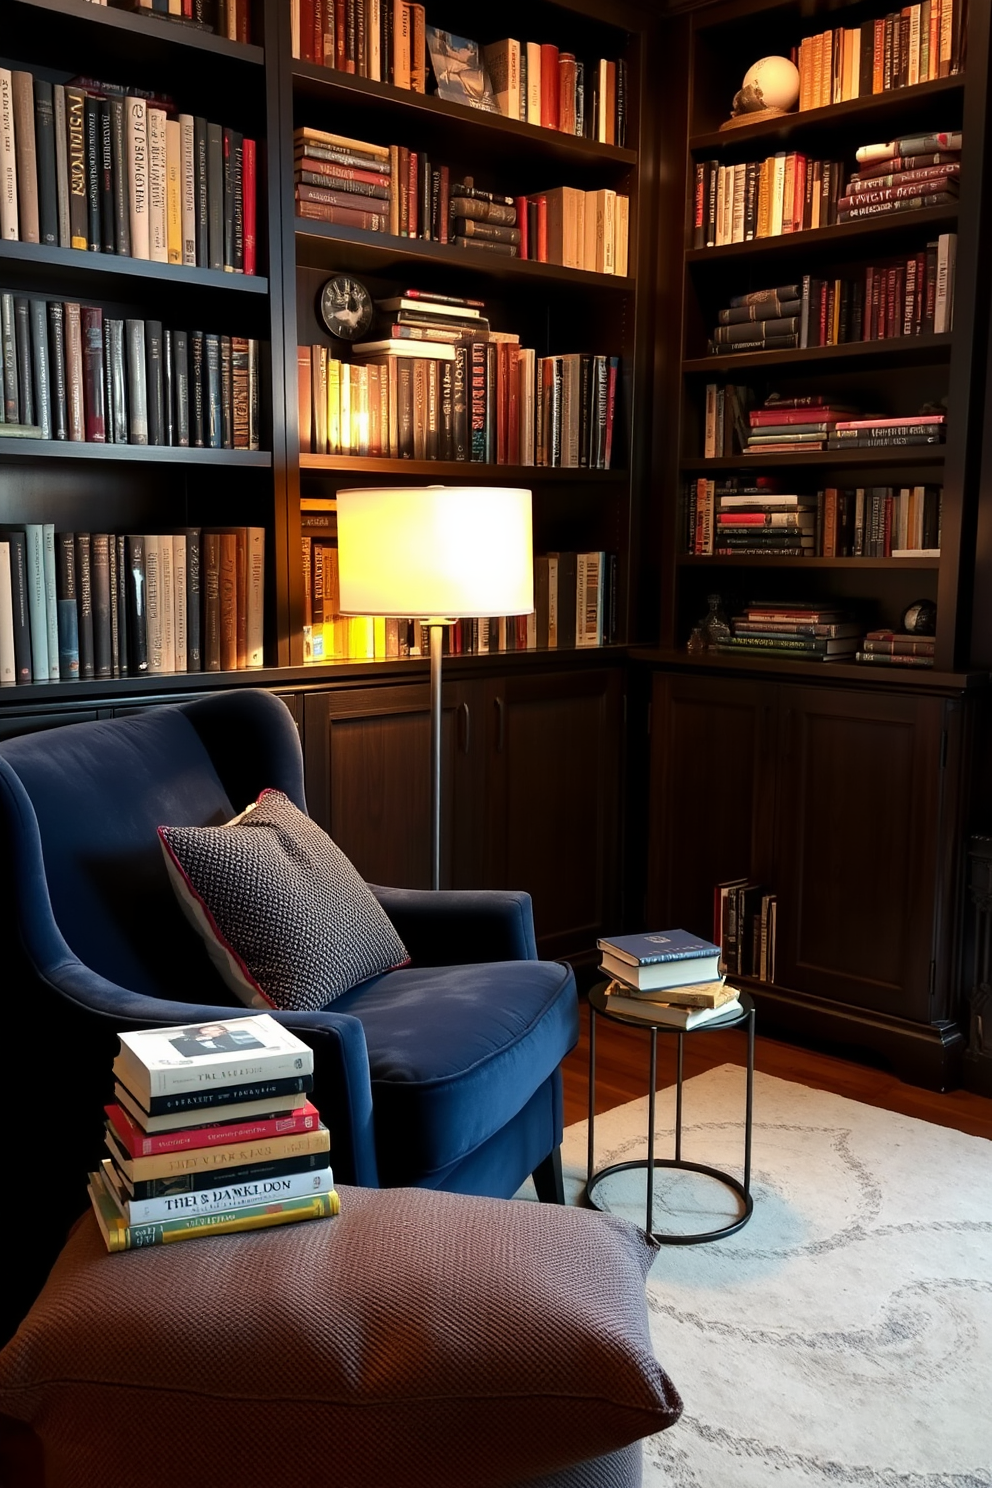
{"points": [[437, 635]]}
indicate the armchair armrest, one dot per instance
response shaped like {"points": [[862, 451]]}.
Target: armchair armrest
{"points": [[453, 927]]}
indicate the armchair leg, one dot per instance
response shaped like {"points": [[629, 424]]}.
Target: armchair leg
{"points": [[548, 1180]]}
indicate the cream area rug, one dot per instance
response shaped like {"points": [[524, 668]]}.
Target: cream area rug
{"points": [[844, 1335]]}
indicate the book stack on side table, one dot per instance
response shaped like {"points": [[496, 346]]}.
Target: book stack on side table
{"points": [[667, 977], [211, 1132]]}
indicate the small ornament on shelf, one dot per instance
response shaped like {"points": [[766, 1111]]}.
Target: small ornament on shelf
{"points": [[770, 87], [713, 629]]}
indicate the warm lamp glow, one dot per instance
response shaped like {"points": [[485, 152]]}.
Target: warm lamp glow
{"points": [[440, 552]]}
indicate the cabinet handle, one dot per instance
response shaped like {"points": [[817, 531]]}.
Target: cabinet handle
{"points": [[500, 716], [464, 727]]}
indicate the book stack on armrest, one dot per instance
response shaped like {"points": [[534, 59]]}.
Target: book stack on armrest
{"points": [[669, 978], [211, 1133]]}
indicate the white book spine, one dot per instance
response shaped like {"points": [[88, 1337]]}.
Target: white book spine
{"points": [[533, 82], [737, 208], [374, 29], [187, 187], [37, 609], [179, 601], [137, 149], [51, 601], [158, 240], [942, 301], [8, 672], [8, 159], [220, 1200], [777, 195], [622, 234]]}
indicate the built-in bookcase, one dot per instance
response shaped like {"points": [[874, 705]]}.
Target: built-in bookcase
{"points": [[893, 376]]}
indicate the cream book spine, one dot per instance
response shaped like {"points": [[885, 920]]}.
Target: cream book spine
{"points": [[187, 168], [137, 150], [179, 627], [158, 240], [8, 159], [8, 673]]}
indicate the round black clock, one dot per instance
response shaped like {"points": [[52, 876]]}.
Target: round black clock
{"points": [[346, 307]]}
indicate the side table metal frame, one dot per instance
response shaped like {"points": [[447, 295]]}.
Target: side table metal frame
{"points": [[742, 1190]]}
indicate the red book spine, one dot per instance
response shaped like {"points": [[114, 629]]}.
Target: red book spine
{"points": [[520, 204], [138, 1143], [413, 195], [93, 412], [542, 229], [444, 204], [919, 305], [549, 86], [403, 187], [824, 299], [249, 189], [244, 22], [343, 216], [335, 172], [307, 8], [317, 32], [868, 321], [799, 194], [340, 36]]}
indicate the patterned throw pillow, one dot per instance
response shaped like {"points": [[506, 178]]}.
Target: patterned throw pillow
{"points": [[287, 919]]}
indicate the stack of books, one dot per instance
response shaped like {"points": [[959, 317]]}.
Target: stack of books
{"points": [[211, 1132], [880, 432], [795, 424], [804, 631], [896, 648], [762, 320], [341, 180], [903, 175], [669, 977]]}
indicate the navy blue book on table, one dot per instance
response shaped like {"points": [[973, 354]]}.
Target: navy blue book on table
{"points": [[658, 946]]}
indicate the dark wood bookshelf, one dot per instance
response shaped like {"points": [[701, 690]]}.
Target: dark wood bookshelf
{"points": [[96, 273], [459, 471], [882, 230], [897, 454], [129, 35], [893, 351], [803, 565], [14, 450], [917, 679]]}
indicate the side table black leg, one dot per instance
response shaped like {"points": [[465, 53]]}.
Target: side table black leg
{"points": [[592, 1093], [678, 1100], [749, 1104], [652, 1086]]}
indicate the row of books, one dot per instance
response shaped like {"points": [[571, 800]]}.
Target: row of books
{"points": [[814, 632], [81, 605], [95, 166], [915, 44], [911, 296], [393, 189], [745, 918], [390, 41], [67, 372], [787, 424], [734, 518], [669, 977], [575, 599], [230, 18], [491, 402], [211, 1132]]}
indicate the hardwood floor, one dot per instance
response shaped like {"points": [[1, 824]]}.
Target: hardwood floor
{"points": [[622, 1075]]}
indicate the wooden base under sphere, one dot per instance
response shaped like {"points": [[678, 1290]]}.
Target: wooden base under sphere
{"points": [[757, 117]]}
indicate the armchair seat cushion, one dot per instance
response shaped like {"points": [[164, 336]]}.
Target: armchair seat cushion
{"points": [[453, 1050]]}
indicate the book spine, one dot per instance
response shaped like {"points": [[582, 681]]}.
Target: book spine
{"points": [[119, 164], [91, 128], [22, 84], [84, 593], [120, 1236], [105, 142], [40, 367], [94, 413], [100, 579], [9, 227], [44, 129], [215, 196], [68, 621], [60, 128], [138, 177], [137, 386], [194, 654], [154, 384]]}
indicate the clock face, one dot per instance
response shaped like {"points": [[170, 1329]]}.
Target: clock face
{"points": [[346, 307]]}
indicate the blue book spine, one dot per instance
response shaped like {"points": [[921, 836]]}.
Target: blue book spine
{"points": [[51, 607], [37, 616], [68, 620]]}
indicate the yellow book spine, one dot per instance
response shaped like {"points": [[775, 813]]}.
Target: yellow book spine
{"points": [[173, 190]]}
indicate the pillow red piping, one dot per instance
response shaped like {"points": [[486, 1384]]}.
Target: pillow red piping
{"points": [[213, 923]]}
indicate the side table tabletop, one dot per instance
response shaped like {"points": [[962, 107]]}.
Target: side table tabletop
{"points": [[599, 1008]]}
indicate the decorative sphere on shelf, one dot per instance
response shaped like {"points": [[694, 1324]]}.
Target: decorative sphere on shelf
{"points": [[920, 618], [773, 82]]}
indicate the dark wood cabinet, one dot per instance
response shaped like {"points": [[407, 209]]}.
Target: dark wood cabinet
{"points": [[847, 804], [531, 768]]}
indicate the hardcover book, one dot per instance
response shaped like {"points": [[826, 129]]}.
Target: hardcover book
{"points": [[658, 947], [459, 70]]}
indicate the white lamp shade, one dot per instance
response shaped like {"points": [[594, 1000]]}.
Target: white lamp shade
{"points": [[435, 552]]}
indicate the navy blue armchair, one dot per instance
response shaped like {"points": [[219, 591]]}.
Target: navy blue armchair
{"points": [[444, 1074]]}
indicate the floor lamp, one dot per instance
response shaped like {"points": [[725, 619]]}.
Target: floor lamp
{"points": [[440, 554]]}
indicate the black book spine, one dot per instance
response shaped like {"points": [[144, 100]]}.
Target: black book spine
{"points": [[447, 420], [122, 622], [119, 158], [137, 626], [215, 197], [153, 381], [478, 368], [404, 407], [492, 365], [115, 619], [56, 370], [214, 419], [459, 402], [180, 380], [94, 156], [22, 342], [197, 390], [75, 109], [226, 394], [11, 397], [19, 602], [84, 595], [39, 359], [68, 618], [44, 143], [100, 578], [194, 601], [168, 391], [107, 202], [200, 177]]}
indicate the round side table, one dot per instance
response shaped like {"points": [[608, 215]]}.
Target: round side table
{"points": [[599, 1008]]}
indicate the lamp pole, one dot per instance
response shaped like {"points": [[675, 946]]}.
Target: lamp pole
{"points": [[437, 638]]}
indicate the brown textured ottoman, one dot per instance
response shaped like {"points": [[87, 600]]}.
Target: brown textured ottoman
{"points": [[418, 1338]]}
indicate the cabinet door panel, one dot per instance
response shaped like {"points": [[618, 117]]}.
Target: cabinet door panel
{"points": [[711, 797], [859, 803], [554, 801]]}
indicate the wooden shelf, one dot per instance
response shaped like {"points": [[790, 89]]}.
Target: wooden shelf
{"points": [[459, 470], [322, 245], [894, 351], [15, 450], [102, 272], [897, 454], [492, 135], [876, 110], [127, 33], [871, 676], [840, 235], [713, 560]]}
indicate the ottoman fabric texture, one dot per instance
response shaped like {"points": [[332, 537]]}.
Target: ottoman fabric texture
{"points": [[419, 1337]]}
